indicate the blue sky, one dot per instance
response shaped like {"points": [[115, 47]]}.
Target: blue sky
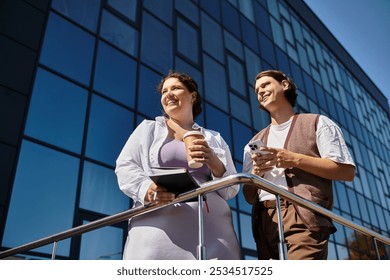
{"points": [[363, 28]]}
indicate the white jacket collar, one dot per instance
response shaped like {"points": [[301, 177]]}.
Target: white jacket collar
{"points": [[162, 121]]}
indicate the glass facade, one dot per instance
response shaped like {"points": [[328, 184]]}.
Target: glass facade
{"points": [[95, 79]]}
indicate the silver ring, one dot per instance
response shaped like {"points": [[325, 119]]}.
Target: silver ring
{"points": [[154, 195]]}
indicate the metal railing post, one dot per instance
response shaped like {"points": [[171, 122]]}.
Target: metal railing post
{"points": [[282, 243], [53, 252], [201, 249], [376, 248]]}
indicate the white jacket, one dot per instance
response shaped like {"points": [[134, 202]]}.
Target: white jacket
{"points": [[140, 153]]}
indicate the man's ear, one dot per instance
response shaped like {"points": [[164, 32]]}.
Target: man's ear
{"points": [[285, 84]]}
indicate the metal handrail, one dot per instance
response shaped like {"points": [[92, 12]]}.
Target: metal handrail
{"points": [[239, 178]]}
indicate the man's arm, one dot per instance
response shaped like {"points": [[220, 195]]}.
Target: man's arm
{"points": [[322, 167]]}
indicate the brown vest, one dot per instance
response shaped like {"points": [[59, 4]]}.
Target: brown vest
{"points": [[301, 138]]}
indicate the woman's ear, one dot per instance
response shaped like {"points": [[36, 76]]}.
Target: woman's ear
{"points": [[194, 96]]}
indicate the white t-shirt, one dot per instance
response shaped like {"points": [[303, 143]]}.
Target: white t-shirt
{"points": [[330, 143]]}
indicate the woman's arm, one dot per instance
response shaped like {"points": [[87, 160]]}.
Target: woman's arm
{"points": [[132, 178]]}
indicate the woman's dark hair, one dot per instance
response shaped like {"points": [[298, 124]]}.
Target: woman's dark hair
{"points": [[190, 84], [290, 93]]}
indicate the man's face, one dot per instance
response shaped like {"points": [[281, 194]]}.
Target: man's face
{"points": [[269, 91]]}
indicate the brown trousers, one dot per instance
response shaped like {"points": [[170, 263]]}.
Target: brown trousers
{"points": [[302, 244]]}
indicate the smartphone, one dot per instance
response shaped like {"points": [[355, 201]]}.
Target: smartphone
{"points": [[255, 147]]}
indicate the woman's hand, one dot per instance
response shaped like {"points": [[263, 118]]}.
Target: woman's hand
{"points": [[201, 152], [157, 195]]}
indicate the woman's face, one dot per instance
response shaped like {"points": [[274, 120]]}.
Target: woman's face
{"points": [[176, 98]]}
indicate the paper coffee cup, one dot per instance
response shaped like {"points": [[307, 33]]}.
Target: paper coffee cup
{"points": [[188, 137]]}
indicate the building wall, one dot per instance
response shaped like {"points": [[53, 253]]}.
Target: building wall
{"points": [[80, 75], [22, 25]]}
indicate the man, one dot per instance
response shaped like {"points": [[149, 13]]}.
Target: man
{"points": [[303, 153]]}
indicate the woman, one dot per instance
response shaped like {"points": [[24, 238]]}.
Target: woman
{"points": [[171, 232]]}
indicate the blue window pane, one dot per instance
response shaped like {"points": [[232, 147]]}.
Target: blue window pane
{"points": [[236, 75], [283, 61], [212, 37], [320, 58], [187, 41], [278, 34], [304, 61], [247, 240], [43, 197], [103, 244], [119, 33], [288, 33], [115, 75], [325, 80], [231, 19], [246, 7], [273, 7], [322, 97], [253, 65], [149, 99], [186, 7], [241, 135], [309, 85], [262, 19], [311, 54], [156, 44], [296, 25], [109, 127], [161, 9], [373, 218], [233, 202], [340, 110], [125, 7], [296, 73], [342, 197], [240, 108], [57, 112], [242, 204], [219, 121], [233, 44], [292, 53], [234, 3], [381, 217], [68, 49], [212, 8], [182, 66], [363, 207], [215, 83], [350, 125], [85, 13], [267, 49], [100, 192], [249, 33]]}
